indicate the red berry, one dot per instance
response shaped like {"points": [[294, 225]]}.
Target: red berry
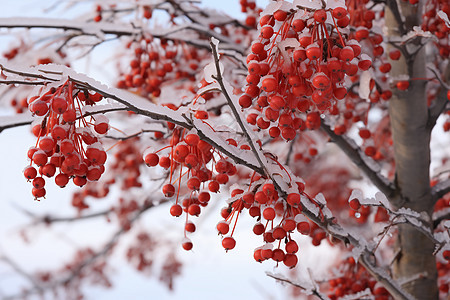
{"points": [[30, 172], [339, 12], [61, 180], [40, 158], [364, 133], [245, 101], [269, 213], [402, 85], [213, 186], [280, 15], [320, 16], [347, 53], [354, 204], [267, 32], [192, 139], [59, 105], [290, 260], [321, 81], [228, 243], [38, 182], [289, 224], [187, 245], [48, 170], [303, 228], [269, 84], [258, 229], [261, 197], [38, 193], [446, 255], [279, 233], [176, 210], [291, 247], [384, 68], [313, 52], [168, 190], [194, 210], [189, 227], [79, 181], [293, 199], [47, 143], [223, 227], [298, 25], [151, 159], [58, 133], [395, 54], [278, 255]]}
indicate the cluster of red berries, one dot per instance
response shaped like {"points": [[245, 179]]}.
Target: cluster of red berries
{"points": [[140, 255], [124, 171], [297, 66], [276, 220], [19, 106], [66, 140], [436, 25], [249, 7], [157, 62], [188, 162], [352, 279]]}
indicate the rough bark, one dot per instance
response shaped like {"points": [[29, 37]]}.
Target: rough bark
{"points": [[415, 264]]}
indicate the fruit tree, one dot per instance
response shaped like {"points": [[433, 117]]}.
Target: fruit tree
{"points": [[281, 116]]}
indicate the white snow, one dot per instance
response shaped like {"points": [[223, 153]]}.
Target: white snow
{"points": [[444, 17], [364, 85]]}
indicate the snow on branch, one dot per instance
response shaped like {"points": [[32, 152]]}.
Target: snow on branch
{"points": [[355, 154], [309, 288], [139, 105], [98, 29], [7, 122], [439, 190]]}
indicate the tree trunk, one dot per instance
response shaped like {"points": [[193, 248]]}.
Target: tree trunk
{"points": [[415, 264]]}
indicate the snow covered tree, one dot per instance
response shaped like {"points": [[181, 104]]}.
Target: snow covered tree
{"points": [[282, 115]]}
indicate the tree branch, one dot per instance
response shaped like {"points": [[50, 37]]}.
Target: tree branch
{"points": [[64, 281], [441, 101], [358, 158], [439, 190], [313, 290]]}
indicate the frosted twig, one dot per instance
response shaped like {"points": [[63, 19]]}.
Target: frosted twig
{"points": [[439, 190], [219, 79], [313, 290]]}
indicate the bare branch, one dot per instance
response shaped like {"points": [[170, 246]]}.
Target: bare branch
{"points": [[40, 287], [48, 219], [22, 82], [313, 290]]}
